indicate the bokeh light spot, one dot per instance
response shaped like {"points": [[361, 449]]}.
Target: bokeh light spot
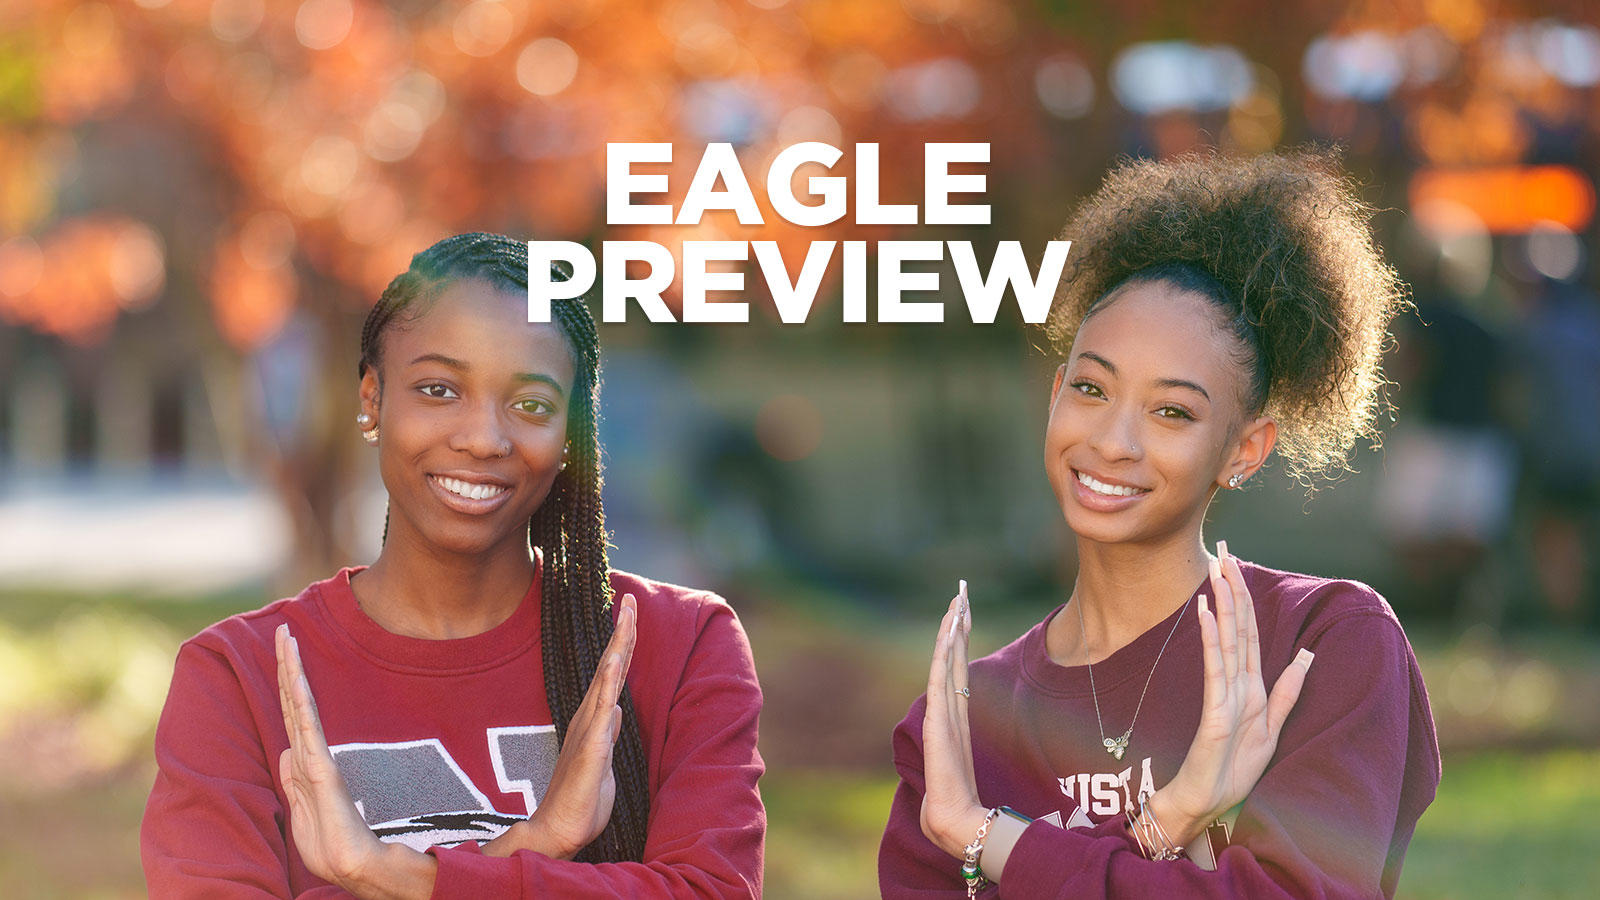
{"points": [[329, 165], [809, 123], [482, 28], [371, 213], [1472, 686], [393, 131], [235, 20], [21, 265], [945, 88], [136, 265], [1064, 86], [1554, 251], [789, 427], [547, 66], [267, 239], [323, 24], [1163, 76], [89, 30]]}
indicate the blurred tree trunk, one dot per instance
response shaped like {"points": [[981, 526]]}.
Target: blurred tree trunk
{"points": [[318, 475]]}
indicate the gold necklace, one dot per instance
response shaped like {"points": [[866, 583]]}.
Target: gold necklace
{"points": [[1117, 746]]}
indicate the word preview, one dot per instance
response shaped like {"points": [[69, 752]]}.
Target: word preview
{"points": [[794, 295]]}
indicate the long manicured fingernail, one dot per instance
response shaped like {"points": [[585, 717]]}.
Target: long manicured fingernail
{"points": [[1304, 658], [1222, 550], [1203, 606], [1216, 568]]}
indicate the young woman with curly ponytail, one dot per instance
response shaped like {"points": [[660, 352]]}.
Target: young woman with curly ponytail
{"points": [[1214, 311], [497, 712]]}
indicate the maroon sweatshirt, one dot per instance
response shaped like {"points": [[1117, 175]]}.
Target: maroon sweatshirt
{"points": [[1356, 764], [444, 744]]}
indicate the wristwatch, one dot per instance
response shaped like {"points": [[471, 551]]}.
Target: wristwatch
{"points": [[1011, 813]]}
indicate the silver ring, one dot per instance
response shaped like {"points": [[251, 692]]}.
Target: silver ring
{"points": [[965, 692]]}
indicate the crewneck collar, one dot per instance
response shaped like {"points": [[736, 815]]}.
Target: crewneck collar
{"points": [[1131, 661], [455, 656]]}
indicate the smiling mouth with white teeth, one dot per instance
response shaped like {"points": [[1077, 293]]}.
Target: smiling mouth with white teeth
{"points": [[470, 490], [1107, 490]]}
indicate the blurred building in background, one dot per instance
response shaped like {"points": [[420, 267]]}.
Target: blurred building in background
{"points": [[200, 198]]}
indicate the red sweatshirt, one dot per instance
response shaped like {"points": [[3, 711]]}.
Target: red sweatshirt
{"points": [[445, 743], [1356, 764]]}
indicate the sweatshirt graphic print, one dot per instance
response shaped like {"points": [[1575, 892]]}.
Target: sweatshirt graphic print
{"points": [[415, 793], [445, 744], [1356, 764]]}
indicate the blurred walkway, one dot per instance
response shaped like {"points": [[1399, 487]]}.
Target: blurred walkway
{"points": [[186, 534]]}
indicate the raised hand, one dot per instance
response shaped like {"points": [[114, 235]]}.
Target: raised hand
{"points": [[577, 804], [951, 812], [1240, 721], [334, 842]]}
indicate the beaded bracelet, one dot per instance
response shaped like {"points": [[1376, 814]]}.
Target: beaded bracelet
{"points": [[970, 872]]}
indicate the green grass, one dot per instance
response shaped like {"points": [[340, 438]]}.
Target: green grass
{"points": [[33, 610], [81, 680], [823, 830], [1505, 826], [1510, 825]]}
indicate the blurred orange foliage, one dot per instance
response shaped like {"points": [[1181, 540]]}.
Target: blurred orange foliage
{"points": [[372, 130], [74, 282]]}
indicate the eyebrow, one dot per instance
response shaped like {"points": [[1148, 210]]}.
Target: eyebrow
{"points": [[1162, 382], [441, 359], [524, 377]]}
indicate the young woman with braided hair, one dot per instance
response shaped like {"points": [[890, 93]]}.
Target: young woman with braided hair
{"points": [[1214, 310], [488, 679]]}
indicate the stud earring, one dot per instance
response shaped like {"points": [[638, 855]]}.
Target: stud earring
{"points": [[1235, 480], [368, 426]]}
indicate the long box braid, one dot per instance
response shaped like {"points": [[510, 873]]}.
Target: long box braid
{"points": [[569, 527]]}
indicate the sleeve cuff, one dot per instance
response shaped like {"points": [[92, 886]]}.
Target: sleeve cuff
{"points": [[1116, 826], [466, 874], [1034, 868]]}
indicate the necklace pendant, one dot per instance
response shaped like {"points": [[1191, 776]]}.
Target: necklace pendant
{"points": [[1116, 746]]}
